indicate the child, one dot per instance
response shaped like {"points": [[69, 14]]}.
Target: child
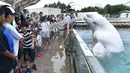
{"points": [[45, 31], [28, 46], [38, 44]]}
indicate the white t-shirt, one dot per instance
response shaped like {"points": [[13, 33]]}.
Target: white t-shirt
{"points": [[54, 28], [67, 18], [39, 40], [16, 36], [45, 26], [14, 24]]}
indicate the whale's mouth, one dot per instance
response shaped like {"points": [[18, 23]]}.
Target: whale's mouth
{"points": [[88, 16], [89, 22], [88, 19]]}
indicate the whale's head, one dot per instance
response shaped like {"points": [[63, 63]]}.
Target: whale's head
{"points": [[95, 20]]}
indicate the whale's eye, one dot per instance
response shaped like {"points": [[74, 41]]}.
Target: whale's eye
{"points": [[94, 22]]}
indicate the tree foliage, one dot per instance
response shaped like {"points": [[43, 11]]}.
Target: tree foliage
{"points": [[108, 9], [60, 5]]}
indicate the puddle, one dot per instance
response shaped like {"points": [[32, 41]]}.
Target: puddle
{"points": [[59, 61]]}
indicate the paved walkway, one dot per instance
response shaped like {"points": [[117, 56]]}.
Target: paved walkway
{"points": [[53, 60]]}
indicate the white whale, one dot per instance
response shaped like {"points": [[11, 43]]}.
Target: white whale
{"points": [[105, 36]]}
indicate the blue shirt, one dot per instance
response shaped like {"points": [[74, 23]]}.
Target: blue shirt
{"points": [[6, 43], [10, 40], [72, 17]]}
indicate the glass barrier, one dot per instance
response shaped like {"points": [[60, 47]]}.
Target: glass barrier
{"points": [[84, 60]]}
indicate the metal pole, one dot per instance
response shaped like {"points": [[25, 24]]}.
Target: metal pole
{"points": [[13, 4]]}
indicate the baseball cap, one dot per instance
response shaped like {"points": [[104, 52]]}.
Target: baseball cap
{"points": [[2, 11], [9, 10]]}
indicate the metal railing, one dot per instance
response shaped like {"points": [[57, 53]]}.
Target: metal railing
{"points": [[84, 60], [119, 20], [112, 20]]}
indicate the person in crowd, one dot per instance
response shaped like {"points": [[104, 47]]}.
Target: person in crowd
{"points": [[34, 17], [45, 30], [69, 27], [67, 17], [55, 28], [25, 14], [58, 18], [28, 46], [8, 59], [41, 14], [38, 44], [16, 36], [72, 16], [49, 19], [9, 17], [18, 21]]}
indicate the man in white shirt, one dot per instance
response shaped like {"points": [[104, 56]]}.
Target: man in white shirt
{"points": [[9, 17]]}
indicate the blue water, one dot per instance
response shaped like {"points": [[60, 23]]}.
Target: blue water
{"points": [[116, 63]]}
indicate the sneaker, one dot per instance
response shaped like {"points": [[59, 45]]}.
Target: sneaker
{"points": [[34, 67], [39, 55], [28, 70]]}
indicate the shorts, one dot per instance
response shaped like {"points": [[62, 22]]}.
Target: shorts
{"points": [[29, 54], [45, 34], [20, 53], [38, 49]]}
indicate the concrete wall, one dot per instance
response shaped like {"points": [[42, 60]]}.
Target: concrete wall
{"points": [[82, 14]]}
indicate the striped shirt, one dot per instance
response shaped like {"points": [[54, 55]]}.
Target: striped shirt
{"points": [[27, 44]]}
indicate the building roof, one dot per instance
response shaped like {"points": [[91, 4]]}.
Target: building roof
{"points": [[23, 3], [125, 11]]}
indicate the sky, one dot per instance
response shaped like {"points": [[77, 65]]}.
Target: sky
{"points": [[78, 4]]}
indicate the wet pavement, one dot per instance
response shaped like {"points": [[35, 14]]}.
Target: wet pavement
{"points": [[53, 60]]}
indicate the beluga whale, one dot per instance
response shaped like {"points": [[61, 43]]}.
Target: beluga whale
{"points": [[106, 38]]}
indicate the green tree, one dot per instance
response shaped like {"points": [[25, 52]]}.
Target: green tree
{"points": [[115, 9], [60, 5], [107, 9], [45, 5]]}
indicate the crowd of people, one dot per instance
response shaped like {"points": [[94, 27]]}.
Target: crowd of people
{"points": [[24, 34]]}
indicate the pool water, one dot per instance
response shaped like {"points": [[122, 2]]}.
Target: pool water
{"points": [[116, 63]]}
